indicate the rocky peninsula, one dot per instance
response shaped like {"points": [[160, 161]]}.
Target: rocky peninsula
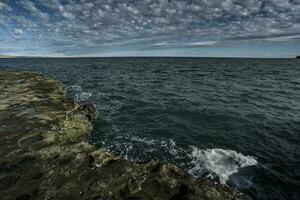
{"points": [[45, 154]]}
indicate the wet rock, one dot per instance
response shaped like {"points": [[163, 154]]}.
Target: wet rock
{"points": [[44, 153], [7, 181], [31, 140], [101, 158], [89, 111]]}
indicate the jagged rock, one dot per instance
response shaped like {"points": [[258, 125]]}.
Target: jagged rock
{"points": [[44, 153], [89, 111]]}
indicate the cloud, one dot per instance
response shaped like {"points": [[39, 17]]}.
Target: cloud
{"points": [[34, 11], [76, 26], [18, 31]]}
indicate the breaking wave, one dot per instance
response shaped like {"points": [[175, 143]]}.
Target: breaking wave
{"points": [[214, 164], [218, 163]]}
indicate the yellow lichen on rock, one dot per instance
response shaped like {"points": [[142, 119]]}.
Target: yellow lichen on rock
{"points": [[74, 128], [101, 158]]}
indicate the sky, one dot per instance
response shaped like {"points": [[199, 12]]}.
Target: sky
{"points": [[204, 28]]}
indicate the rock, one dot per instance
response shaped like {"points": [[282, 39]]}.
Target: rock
{"points": [[89, 111], [44, 153], [100, 158], [298, 57]]}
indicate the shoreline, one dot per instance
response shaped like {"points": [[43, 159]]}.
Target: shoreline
{"points": [[45, 152]]}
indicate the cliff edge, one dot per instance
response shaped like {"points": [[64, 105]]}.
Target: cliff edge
{"points": [[44, 153]]}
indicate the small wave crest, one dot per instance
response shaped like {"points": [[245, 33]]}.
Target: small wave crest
{"points": [[218, 163], [76, 94]]}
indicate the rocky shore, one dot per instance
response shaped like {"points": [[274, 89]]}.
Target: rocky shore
{"points": [[45, 154]]}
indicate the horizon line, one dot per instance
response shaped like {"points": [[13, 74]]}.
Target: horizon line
{"points": [[232, 57]]}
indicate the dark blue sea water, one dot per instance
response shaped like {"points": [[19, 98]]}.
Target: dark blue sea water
{"points": [[233, 120]]}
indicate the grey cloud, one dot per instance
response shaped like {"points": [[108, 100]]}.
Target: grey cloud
{"points": [[86, 25]]}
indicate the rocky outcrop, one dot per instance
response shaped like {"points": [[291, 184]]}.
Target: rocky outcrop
{"points": [[297, 57], [44, 153]]}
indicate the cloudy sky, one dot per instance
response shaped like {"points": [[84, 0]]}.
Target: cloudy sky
{"points": [[241, 28]]}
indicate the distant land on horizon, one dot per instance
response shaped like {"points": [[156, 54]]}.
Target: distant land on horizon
{"points": [[6, 56]]}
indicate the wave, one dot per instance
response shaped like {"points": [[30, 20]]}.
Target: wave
{"points": [[76, 94], [209, 163], [219, 163]]}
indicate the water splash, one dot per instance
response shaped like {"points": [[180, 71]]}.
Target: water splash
{"points": [[219, 163], [210, 163]]}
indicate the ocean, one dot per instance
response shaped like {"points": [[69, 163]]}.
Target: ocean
{"points": [[236, 121]]}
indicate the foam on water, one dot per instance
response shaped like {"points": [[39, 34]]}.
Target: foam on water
{"points": [[212, 163], [143, 140], [219, 162], [76, 94]]}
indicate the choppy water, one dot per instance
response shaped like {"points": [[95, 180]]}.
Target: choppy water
{"points": [[233, 120]]}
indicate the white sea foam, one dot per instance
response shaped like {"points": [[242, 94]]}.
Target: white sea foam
{"points": [[127, 146], [211, 162], [218, 162], [143, 140], [77, 94]]}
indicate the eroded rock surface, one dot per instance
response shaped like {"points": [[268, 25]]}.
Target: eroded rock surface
{"points": [[44, 153]]}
